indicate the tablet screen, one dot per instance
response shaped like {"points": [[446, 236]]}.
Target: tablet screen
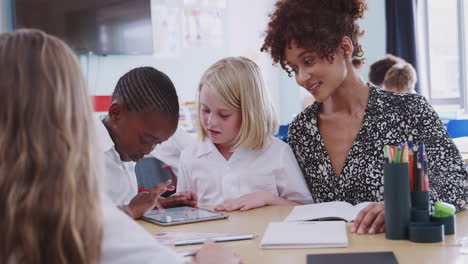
{"points": [[181, 214]]}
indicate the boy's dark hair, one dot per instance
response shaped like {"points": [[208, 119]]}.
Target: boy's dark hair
{"points": [[146, 88], [316, 25], [379, 68]]}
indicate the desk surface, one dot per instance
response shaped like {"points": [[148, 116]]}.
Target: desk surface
{"points": [[453, 250]]}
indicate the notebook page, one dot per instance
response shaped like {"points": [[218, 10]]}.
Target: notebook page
{"points": [[318, 211]]}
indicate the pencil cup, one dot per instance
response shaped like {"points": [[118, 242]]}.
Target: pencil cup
{"points": [[448, 222], [420, 215], [420, 207], [426, 232], [420, 200], [397, 200]]}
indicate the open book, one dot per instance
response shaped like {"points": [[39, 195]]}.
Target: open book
{"points": [[305, 235], [326, 211]]}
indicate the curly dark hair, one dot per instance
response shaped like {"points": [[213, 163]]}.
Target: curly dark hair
{"points": [[318, 25]]}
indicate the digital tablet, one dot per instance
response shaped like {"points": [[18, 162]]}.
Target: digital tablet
{"points": [[182, 215]]}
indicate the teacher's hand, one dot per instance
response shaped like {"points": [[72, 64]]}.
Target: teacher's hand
{"points": [[370, 220]]}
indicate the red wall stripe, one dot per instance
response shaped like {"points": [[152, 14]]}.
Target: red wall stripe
{"points": [[101, 103]]}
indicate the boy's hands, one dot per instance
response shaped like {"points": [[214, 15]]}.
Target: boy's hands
{"points": [[145, 201], [186, 197]]}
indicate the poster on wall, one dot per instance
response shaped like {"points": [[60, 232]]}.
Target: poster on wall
{"points": [[203, 25], [166, 28]]}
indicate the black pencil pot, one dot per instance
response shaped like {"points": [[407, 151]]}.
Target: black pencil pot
{"points": [[397, 200]]}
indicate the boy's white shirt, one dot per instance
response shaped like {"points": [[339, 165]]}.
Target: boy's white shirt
{"points": [[124, 241], [214, 179], [120, 178], [169, 151]]}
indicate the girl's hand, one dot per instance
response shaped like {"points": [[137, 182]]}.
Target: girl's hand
{"points": [[252, 201], [247, 202], [370, 220]]}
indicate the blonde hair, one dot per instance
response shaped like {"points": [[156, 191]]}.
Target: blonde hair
{"points": [[238, 84], [401, 76], [49, 201]]}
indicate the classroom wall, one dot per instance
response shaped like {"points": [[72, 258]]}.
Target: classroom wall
{"points": [[243, 38], [246, 27], [374, 40], [185, 68]]}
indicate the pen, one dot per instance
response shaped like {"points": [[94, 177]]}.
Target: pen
{"points": [[386, 154], [189, 253], [216, 239], [411, 168], [398, 154], [405, 154]]}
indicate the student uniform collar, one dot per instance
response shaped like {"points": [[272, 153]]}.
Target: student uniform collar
{"points": [[206, 147], [105, 142]]}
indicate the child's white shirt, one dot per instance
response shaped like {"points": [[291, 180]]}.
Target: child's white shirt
{"points": [[214, 179], [120, 178], [125, 241], [169, 151]]}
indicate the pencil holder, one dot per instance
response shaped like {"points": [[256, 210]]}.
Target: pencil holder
{"points": [[420, 215], [397, 200], [426, 232], [448, 222], [420, 200]]}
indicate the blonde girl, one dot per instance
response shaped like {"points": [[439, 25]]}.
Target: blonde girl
{"points": [[238, 164]]}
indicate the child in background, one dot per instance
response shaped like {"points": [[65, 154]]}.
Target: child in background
{"points": [[238, 164], [379, 68], [400, 78]]}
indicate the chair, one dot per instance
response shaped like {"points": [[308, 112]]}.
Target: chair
{"points": [[283, 133], [458, 128], [151, 171]]}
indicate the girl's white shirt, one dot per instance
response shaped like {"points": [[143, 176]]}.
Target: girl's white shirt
{"points": [[214, 179]]}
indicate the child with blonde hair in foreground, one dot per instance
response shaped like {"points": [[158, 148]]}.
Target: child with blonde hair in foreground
{"points": [[51, 201], [238, 164]]}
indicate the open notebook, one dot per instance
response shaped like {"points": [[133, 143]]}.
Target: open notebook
{"points": [[305, 235], [326, 211]]}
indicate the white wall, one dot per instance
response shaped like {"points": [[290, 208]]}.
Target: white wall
{"points": [[244, 25], [374, 40], [247, 22], [243, 29]]}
